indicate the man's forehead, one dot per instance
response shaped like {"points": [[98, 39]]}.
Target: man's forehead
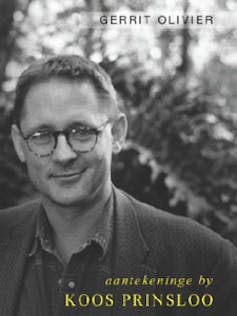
{"points": [[62, 101], [59, 85]]}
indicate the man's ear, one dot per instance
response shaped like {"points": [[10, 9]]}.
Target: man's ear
{"points": [[119, 132], [18, 142]]}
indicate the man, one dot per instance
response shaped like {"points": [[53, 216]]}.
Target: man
{"points": [[87, 248]]}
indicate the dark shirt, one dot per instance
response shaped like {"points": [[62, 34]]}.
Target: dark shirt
{"points": [[46, 281]]}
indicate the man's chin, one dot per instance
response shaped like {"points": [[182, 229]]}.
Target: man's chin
{"points": [[66, 199]]}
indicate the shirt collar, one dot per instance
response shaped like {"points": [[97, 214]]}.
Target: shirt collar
{"points": [[101, 233]]}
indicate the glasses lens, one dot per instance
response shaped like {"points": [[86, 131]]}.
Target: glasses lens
{"points": [[41, 143], [82, 140]]}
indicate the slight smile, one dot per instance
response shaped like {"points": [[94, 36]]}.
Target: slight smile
{"points": [[67, 175]]}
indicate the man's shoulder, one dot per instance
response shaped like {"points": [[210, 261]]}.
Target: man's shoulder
{"points": [[172, 230], [180, 242], [152, 216], [20, 213]]}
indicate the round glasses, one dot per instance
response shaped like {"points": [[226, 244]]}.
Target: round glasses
{"points": [[81, 139]]}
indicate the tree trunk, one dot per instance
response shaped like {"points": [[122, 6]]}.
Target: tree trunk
{"points": [[185, 34], [7, 9]]}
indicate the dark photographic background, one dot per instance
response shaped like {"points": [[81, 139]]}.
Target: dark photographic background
{"points": [[177, 86]]}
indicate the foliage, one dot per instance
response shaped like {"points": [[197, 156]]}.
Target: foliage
{"points": [[192, 136]]}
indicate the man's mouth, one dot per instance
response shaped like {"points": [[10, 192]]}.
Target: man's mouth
{"points": [[67, 175]]}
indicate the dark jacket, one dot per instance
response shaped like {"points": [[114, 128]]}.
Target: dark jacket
{"points": [[147, 242]]}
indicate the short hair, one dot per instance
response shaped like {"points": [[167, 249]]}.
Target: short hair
{"points": [[72, 67]]}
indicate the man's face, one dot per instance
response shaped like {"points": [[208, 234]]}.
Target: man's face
{"points": [[66, 177]]}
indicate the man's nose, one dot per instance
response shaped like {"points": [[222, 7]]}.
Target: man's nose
{"points": [[63, 151]]}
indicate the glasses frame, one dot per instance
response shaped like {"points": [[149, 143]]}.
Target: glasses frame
{"points": [[66, 133]]}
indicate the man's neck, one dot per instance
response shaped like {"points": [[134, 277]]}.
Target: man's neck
{"points": [[73, 225]]}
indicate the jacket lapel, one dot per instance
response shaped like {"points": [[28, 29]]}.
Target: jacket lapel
{"points": [[130, 247], [16, 239], [129, 253]]}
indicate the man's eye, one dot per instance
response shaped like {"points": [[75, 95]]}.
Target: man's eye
{"points": [[41, 137], [81, 133]]}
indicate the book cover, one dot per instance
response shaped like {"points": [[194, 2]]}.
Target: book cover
{"points": [[173, 67]]}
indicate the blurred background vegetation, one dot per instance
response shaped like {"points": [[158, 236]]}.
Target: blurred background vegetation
{"points": [[178, 87]]}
